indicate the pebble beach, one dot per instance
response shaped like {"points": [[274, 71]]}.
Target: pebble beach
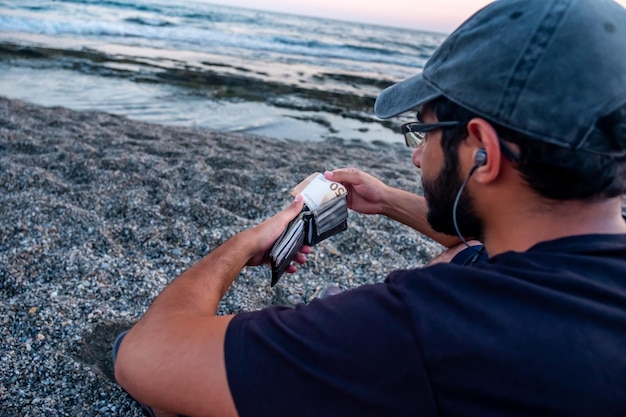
{"points": [[99, 213]]}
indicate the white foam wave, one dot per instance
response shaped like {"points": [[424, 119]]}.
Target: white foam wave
{"points": [[198, 39]]}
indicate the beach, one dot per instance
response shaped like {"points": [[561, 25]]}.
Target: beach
{"points": [[137, 136], [100, 212], [197, 64]]}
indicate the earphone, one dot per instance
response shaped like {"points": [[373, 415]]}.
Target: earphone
{"points": [[480, 159]]}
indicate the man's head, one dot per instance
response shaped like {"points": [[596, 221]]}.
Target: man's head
{"points": [[551, 171], [550, 77], [549, 69]]}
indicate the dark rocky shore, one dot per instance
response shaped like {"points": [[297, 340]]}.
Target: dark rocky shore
{"points": [[334, 105], [99, 213]]}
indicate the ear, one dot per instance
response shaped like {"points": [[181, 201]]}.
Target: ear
{"points": [[481, 135]]}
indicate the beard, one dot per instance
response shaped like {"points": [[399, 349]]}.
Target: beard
{"points": [[440, 195]]}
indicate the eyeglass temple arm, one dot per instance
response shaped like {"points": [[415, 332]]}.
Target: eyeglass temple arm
{"points": [[509, 153]]}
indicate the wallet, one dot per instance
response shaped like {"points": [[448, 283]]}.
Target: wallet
{"points": [[310, 227]]}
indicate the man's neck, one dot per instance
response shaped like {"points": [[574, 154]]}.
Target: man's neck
{"points": [[518, 228]]}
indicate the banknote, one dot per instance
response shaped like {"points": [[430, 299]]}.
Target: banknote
{"points": [[317, 190]]}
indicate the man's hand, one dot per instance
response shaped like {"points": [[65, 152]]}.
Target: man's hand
{"points": [[366, 193], [266, 233]]}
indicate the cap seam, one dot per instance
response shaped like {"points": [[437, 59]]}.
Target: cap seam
{"points": [[531, 56]]}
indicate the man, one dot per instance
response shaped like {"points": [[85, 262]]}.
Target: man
{"points": [[521, 139]]}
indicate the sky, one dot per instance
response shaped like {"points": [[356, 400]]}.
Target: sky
{"points": [[430, 15]]}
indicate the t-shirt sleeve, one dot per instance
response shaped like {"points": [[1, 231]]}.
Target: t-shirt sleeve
{"points": [[355, 353]]}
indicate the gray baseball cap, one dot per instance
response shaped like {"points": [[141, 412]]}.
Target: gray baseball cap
{"points": [[546, 68]]}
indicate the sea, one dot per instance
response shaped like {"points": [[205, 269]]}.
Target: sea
{"points": [[191, 63]]}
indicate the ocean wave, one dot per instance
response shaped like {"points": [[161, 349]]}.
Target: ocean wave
{"points": [[59, 27], [117, 5], [38, 8], [149, 22], [144, 32], [217, 17], [335, 50], [191, 12]]}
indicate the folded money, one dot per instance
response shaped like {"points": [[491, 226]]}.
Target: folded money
{"points": [[317, 190]]}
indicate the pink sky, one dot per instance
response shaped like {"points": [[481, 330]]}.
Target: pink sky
{"points": [[432, 15]]}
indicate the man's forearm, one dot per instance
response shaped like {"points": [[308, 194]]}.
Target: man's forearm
{"points": [[198, 290], [177, 346]]}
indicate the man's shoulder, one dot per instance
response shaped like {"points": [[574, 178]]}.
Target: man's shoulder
{"points": [[584, 260], [590, 243]]}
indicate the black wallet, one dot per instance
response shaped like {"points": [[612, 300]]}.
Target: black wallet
{"points": [[308, 228]]}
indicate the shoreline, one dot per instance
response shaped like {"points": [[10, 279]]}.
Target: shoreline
{"points": [[100, 212], [204, 91]]}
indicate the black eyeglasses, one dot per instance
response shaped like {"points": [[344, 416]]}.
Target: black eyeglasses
{"points": [[415, 132]]}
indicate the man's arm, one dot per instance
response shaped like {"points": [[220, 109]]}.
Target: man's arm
{"points": [[368, 195], [173, 358]]}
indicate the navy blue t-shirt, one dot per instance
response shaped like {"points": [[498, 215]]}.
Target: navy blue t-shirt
{"points": [[539, 333]]}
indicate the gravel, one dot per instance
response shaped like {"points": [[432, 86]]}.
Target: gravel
{"points": [[99, 213]]}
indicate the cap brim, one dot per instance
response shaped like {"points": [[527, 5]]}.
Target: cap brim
{"points": [[404, 96]]}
